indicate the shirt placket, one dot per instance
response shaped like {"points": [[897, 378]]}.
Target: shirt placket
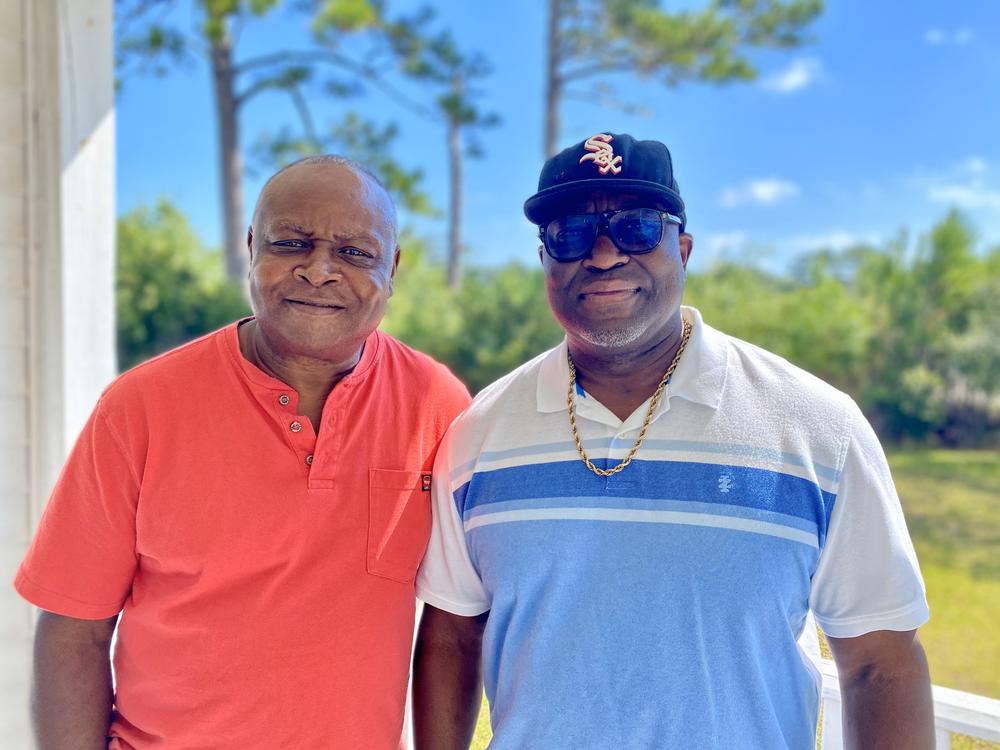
{"points": [[621, 437], [328, 446], [298, 428]]}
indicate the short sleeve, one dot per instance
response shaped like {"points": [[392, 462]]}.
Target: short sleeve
{"points": [[82, 559], [447, 579], [867, 578]]}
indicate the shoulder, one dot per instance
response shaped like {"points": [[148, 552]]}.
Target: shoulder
{"points": [[421, 372], [782, 405], [175, 372], [508, 403], [515, 389], [754, 372]]}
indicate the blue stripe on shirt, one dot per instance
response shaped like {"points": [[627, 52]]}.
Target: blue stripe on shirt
{"points": [[676, 481]]}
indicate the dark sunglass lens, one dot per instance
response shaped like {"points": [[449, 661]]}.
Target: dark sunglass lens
{"points": [[570, 237], [637, 230]]}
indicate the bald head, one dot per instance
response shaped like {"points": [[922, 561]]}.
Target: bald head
{"points": [[312, 169]]}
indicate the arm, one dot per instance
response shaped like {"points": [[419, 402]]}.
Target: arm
{"points": [[447, 679], [71, 691], [886, 691]]}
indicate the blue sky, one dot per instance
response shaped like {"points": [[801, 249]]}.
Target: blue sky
{"points": [[887, 120]]}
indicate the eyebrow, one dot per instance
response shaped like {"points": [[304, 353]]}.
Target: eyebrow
{"points": [[294, 228]]}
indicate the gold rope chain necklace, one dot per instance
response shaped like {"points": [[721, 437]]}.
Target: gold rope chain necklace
{"points": [[570, 402]]}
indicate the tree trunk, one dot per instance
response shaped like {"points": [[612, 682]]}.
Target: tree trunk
{"points": [[231, 160], [553, 84], [455, 206]]}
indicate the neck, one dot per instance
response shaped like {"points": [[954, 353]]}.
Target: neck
{"points": [[635, 372], [310, 377]]}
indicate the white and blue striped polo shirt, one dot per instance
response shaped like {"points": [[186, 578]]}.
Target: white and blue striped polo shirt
{"points": [[662, 607]]}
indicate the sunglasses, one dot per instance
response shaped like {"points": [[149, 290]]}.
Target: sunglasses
{"points": [[633, 231]]}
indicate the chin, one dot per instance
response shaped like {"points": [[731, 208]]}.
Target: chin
{"points": [[616, 337], [323, 342]]}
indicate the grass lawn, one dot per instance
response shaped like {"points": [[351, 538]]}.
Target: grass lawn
{"points": [[952, 504]]}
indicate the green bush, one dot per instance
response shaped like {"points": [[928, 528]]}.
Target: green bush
{"points": [[169, 287]]}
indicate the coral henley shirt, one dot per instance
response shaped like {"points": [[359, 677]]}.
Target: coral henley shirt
{"points": [[264, 573]]}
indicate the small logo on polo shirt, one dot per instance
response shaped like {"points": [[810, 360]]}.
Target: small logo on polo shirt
{"points": [[425, 482], [725, 483]]}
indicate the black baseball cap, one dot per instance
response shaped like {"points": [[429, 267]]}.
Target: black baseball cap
{"points": [[607, 162]]}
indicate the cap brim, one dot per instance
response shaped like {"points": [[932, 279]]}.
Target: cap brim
{"points": [[544, 205]]}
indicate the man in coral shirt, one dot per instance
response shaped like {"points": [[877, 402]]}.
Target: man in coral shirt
{"points": [[251, 508]]}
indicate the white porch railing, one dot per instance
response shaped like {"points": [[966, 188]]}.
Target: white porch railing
{"points": [[955, 712]]}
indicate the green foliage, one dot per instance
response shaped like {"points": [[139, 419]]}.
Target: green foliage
{"points": [[169, 287], [915, 339], [507, 321], [817, 325], [933, 312], [345, 15], [710, 44], [497, 320]]}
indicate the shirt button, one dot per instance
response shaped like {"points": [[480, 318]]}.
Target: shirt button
{"points": [[309, 459], [295, 427], [283, 399]]}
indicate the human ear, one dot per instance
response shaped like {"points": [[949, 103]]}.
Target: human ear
{"points": [[686, 248], [392, 272]]}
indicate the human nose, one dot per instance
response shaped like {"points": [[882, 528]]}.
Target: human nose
{"points": [[604, 255], [317, 268]]}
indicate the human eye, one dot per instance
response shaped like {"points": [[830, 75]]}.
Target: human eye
{"points": [[290, 245], [355, 252]]}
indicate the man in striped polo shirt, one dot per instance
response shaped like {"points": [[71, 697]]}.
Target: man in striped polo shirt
{"points": [[632, 530]]}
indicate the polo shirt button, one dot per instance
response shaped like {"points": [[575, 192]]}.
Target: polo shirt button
{"points": [[295, 427], [283, 399], [309, 459]]}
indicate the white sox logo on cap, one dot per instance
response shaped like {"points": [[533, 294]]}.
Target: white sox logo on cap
{"points": [[602, 154]]}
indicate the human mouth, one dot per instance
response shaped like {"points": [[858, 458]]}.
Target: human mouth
{"points": [[314, 306], [608, 291]]}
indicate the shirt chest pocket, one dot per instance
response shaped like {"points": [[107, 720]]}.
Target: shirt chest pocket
{"points": [[399, 522]]}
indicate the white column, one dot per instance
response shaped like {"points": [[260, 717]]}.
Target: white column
{"points": [[14, 453], [57, 284]]}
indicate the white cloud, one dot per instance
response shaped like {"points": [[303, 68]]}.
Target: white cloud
{"points": [[801, 72], [838, 239], [974, 194], [762, 192], [964, 186], [939, 37], [975, 165], [724, 243]]}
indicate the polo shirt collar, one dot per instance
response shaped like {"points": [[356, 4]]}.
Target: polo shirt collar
{"points": [[700, 375]]}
